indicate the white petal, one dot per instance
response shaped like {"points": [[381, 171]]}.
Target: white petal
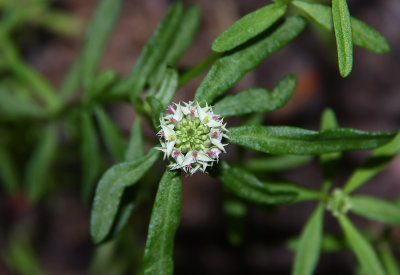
{"points": [[188, 159], [201, 112], [178, 114], [170, 147], [194, 170], [185, 110], [213, 123], [218, 143], [168, 132], [203, 156]]}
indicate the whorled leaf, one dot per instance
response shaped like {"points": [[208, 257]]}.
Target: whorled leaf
{"points": [[375, 209], [110, 189], [363, 250], [152, 53], [248, 27], [298, 141], [309, 246], [100, 84], [231, 67], [246, 186], [343, 34], [98, 31], [90, 154], [363, 35], [257, 99], [375, 164], [303, 193], [39, 164], [8, 171], [276, 163], [111, 134], [168, 88], [135, 148], [165, 218]]}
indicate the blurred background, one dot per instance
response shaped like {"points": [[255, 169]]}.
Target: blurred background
{"points": [[55, 232]]}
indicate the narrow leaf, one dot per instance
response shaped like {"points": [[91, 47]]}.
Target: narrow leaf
{"points": [[97, 34], [343, 34], [246, 186], [100, 83], [90, 154], [363, 35], [309, 246], [8, 171], [375, 209], [277, 163], [111, 134], [388, 259], [12, 107], [235, 211], [165, 218], [375, 164], [298, 141], [152, 54], [110, 189], [39, 164], [135, 146], [257, 99], [168, 88], [156, 110], [303, 193], [183, 38], [226, 71], [330, 161], [248, 27], [363, 250]]}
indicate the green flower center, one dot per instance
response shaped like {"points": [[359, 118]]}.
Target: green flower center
{"points": [[191, 135]]}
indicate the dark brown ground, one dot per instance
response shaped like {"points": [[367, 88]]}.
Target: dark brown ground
{"points": [[369, 99]]}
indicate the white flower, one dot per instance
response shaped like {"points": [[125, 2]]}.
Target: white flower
{"points": [[191, 137]]}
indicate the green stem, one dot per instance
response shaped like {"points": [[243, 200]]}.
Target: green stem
{"points": [[198, 69]]}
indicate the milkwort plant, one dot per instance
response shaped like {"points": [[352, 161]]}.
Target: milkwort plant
{"points": [[193, 135]]}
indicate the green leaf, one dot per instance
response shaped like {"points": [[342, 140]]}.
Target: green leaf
{"points": [[100, 84], [21, 256], [235, 211], [227, 71], [165, 218], [111, 134], [39, 164], [135, 146], [375, 209], [184, 35], [90, 154], [303, 193], [8, 171], [246, 186], [363, 35], [298, 141], [97, 34], [367, 37], [375, 164], [363, 250], [168, 88], [276, 163], [248, 27], [257, 99], [156, 110], [343, 34], [309, 246], [71, 81], [152, 54], [329, 161], [13, 107], [110, 189], [183, 38], [388, 259]]}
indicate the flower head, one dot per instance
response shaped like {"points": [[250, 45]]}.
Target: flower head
{"points": [[191, 136]]}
